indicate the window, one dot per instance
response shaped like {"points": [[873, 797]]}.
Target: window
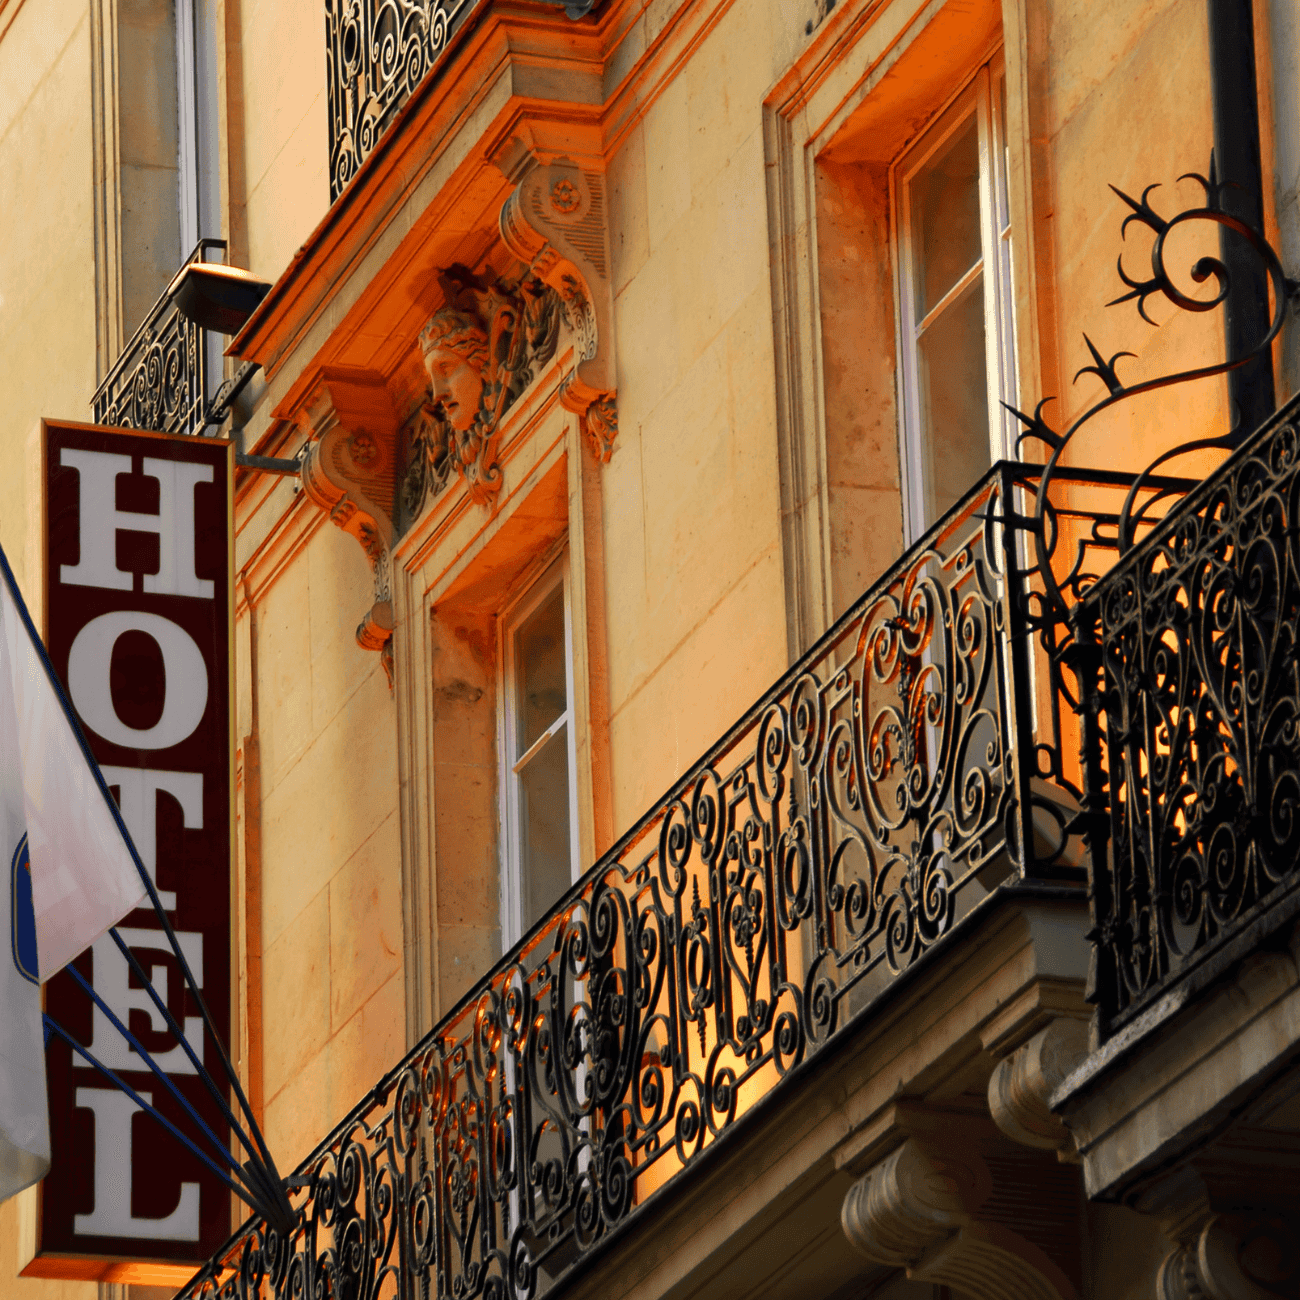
{"points": [[956, 352], [537, 753]]}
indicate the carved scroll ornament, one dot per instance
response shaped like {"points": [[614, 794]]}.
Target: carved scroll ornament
{"points": [[349, 470], [554, 222]]}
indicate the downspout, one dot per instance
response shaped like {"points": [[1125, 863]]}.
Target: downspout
{"points": [[1237, 155]]}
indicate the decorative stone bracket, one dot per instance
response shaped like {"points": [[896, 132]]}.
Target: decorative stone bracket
{"points": [[1234, 1258], [555, 222], [1022, 1084], [917, 1209], [1234, 1215], [350, 471]]}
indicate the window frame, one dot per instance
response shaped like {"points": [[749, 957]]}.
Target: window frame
{"points": [[982, 94], [537, 587]]}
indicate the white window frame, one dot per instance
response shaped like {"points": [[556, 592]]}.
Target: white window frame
{"points": [[984, 95], [554, 574]]}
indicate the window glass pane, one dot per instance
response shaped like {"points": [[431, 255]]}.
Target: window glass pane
{"points": [[544, 826], [539, 670], [946, 215], [954, 401]]}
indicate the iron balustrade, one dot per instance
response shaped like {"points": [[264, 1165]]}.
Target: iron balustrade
{"points": [[1198, 738], [376, 53], [862, 812], [159, 382]]}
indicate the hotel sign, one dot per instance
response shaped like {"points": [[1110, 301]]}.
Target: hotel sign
{"points": [[138, 563]]}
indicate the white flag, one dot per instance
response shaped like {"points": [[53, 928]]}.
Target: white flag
{"points": [[71, 875]]}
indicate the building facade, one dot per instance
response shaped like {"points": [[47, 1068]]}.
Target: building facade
{"points": [[703, 826]]}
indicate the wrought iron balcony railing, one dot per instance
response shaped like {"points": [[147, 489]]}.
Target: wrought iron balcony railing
{"points": [[159, 382], [858, 816], [1197, 632], [376, 53]]}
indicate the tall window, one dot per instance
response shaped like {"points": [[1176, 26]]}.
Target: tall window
{"points": [[540, 804], [957, 349]]}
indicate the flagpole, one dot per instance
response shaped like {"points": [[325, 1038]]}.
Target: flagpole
{"points": [[148, 1109], [284, 1215]]}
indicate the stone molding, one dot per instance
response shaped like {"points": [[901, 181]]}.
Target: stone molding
{"points": [[1022, 1085], [917, 1209], [555, 223], [349, 470]]}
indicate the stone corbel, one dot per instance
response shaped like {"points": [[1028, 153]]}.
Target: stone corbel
{"points": [[1233, 1257], [1234, 1224], [350, 471], [917, 1210], [555, 223], [1022, 1084]]}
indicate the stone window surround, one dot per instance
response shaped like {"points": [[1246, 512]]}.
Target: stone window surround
{"points": [[453, 575], [870, 78]]}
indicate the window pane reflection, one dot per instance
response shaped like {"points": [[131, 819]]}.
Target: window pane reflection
{"points": [[539, 659], [946, 215], [544, 825], [954, 401]]}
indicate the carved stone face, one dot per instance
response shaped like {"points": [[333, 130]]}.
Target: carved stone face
{"points": [[456, 385]]}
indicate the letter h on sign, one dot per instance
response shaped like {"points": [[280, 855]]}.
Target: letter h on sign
{"points": [[138, 626]]}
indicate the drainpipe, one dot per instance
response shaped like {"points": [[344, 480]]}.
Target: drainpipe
{"points": [[1237, 155]]}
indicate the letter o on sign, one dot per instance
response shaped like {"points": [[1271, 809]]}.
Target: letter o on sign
{"points": [[90, 660]]}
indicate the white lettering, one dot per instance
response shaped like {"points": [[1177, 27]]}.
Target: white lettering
{"points": [[138, 790], [101, 520], [112, 981], [114, 1119], [184, 672]]}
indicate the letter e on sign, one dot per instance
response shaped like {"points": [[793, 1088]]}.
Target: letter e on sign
{"points": [[138, 621]]}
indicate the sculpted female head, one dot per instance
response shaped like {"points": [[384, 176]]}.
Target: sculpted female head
{"points": [[455, 348]]}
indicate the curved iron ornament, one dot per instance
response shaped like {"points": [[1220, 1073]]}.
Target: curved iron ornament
{"points": [[1187, 664], [837, 836], [1199, 638], [159, 381], [376, 53], [1159, 282]]}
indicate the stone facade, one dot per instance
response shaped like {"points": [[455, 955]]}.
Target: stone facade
{"points": [[620, 296]]}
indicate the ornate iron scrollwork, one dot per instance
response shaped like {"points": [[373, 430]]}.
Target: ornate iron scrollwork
{"points": [[1159, 282], [376, 53], [1200, 662], [159, 382], [1185, 660], [836, 836]]}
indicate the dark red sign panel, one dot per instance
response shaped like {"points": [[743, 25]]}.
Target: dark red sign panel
{"points": [[138, 625]]}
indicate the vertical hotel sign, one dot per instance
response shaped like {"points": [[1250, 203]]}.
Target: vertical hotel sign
{"points": [[138, 624]]}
